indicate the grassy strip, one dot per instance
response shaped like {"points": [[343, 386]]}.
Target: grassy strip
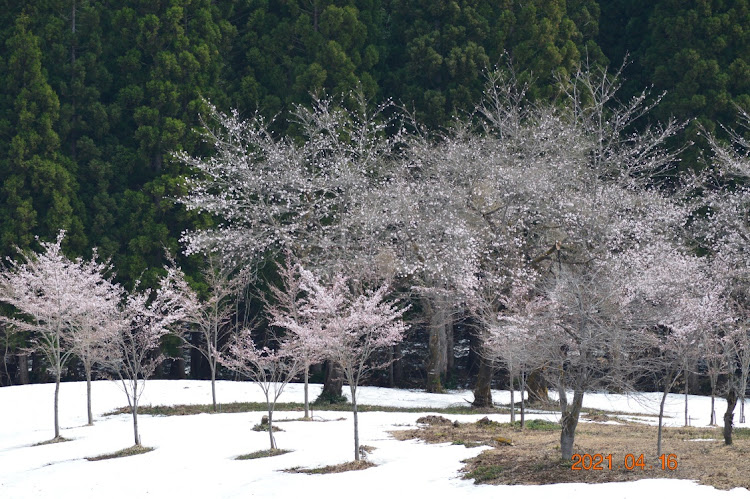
{"points": [[236, 407], [336, 468], [53, 441], [129, 451], [262, 453], [185, 410]]}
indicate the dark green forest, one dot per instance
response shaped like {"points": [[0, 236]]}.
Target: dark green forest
{"points": [[97, 94]]}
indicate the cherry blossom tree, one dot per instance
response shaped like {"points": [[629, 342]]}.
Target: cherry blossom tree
{"points": [[680, 296], [96, 322], [271, 368], [725, 231], [66, 305], [354, 326], [740, 344], [305, 339], [511, 336], [307, 210], [210, 318], [302, 210], [145, 318]]}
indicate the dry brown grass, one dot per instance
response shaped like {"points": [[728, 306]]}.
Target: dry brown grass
{"points": [[129, 451], [336, 468], [533, 456], [55, 440], [262, 453]]}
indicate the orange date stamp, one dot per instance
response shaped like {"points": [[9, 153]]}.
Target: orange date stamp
{"points": [[631, 462]]}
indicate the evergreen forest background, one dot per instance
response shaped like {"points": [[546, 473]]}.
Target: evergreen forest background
{"points": [[95, 95]]}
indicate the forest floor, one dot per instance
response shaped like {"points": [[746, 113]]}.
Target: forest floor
{"points": [[531, 456]]}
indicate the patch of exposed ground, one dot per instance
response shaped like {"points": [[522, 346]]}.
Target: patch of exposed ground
{"points": [[336, 468], [532, 455], [262, 453], [129, 451]]}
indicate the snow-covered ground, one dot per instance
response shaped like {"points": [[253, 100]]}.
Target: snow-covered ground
{"points": [[194, 455]]}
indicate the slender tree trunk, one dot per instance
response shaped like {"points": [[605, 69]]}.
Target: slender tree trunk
{"points": [[87, 368], [523, 398], [356, 423], [57, 406], [137, 436], [450, 355], [307, 400], [661, 419], [687, 377], [729, 415], [270, 427], [8, 376], [213, 384], [569, 422], [742, 409], [483, 389], [713, 408], [512, 400], [391, 358], [742, 389]]}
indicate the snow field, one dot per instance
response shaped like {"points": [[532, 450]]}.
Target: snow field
{"points": [[194, 455]]}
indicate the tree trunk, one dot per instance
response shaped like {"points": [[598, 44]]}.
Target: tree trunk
{"points": [[437, 362], [729, 415], [687, 420], [307, 402], [178, 364], [270, 428], [523, 398], [483, 389], [569, 422], [742, 409], [200, 365], [450, 354], [356, 424], [87, 368], [332, 385], [23, 369], [661, 419], [38, 372], [6, 378], [57, 406], [512, 400], [537, 388], [134, 407], [713, 408], [213, 384]]}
